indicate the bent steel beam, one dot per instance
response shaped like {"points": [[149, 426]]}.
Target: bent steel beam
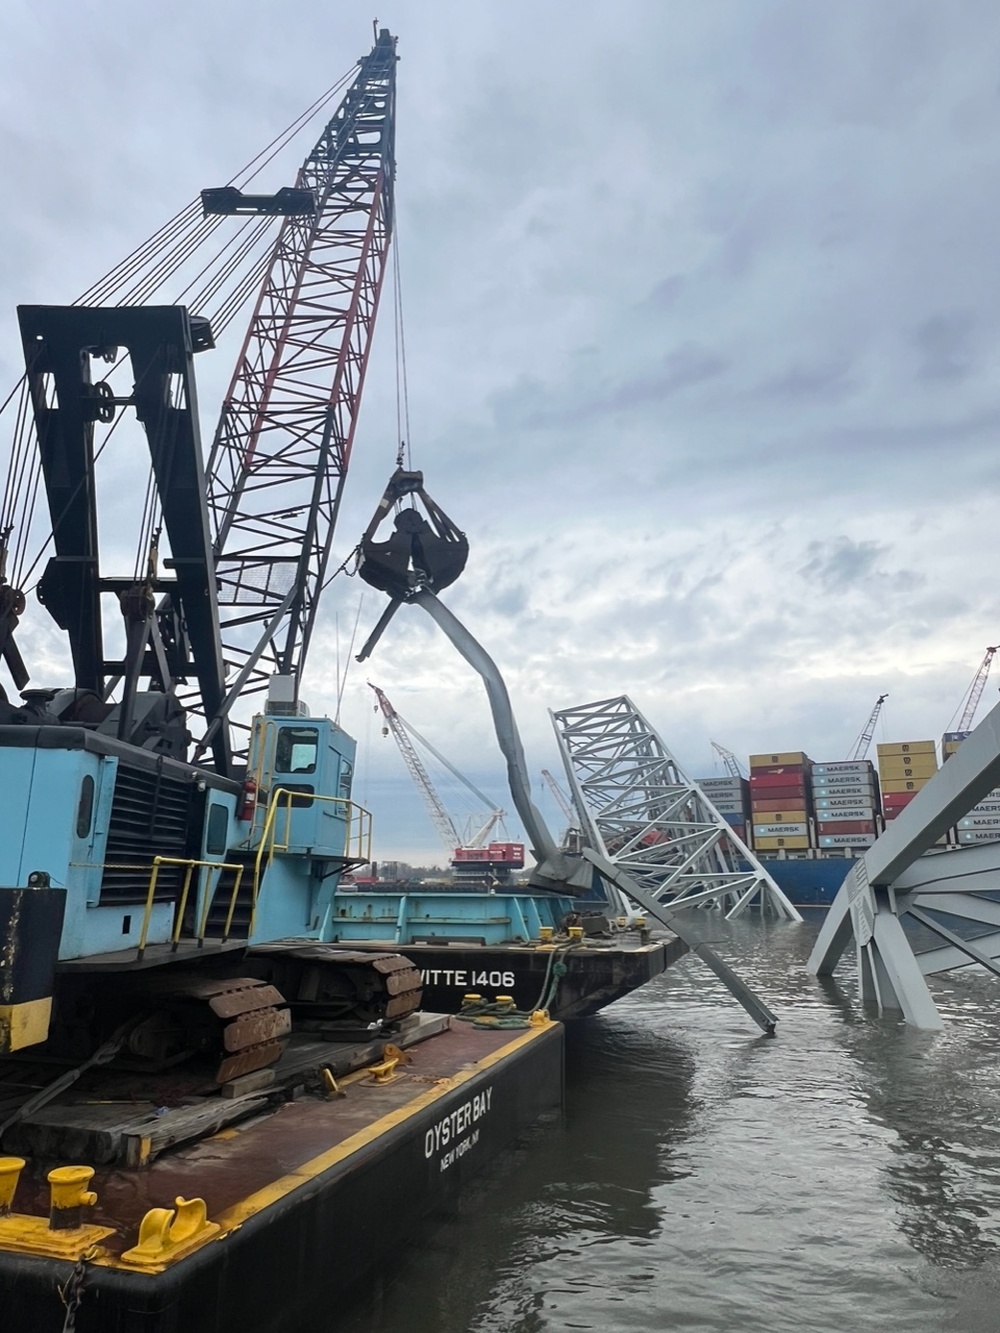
{"points": [[898, 876]]}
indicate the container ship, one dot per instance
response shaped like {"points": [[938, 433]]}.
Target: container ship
{"points": [[808, 821]]}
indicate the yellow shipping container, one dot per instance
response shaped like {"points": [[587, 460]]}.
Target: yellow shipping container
{"points": [[904, 784], [902, 766], [907, 747], [780, 816], [775, 844], [791, 758]]}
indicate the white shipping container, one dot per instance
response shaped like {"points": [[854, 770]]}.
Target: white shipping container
{"points": [[986, 808], [720, 784], [846, 839], [977, 835], [842, 779], [980, 821], [780, 830], [729, 807], [844, 766], [863, 789], [853, 812], [856, 796]]}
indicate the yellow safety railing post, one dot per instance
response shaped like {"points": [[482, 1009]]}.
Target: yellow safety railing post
{"points": [[269, 843], [190, 866], [157, 861], [181, 906]]}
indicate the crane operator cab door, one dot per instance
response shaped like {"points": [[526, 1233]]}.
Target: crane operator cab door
{"points": [[305, 766]]}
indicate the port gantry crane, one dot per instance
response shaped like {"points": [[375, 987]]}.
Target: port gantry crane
{"points": [[859, 749], [127, 829]]}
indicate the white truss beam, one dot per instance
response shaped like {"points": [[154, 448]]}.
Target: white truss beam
{"points": [[895, 879], [642, 813]]}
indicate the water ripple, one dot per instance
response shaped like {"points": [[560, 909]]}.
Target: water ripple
{"points": [[845, 1176]]}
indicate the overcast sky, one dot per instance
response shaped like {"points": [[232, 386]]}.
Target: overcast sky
{"points": [[702, 320]]}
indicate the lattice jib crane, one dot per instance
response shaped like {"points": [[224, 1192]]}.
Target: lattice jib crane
{"points": [[860, 747], [447, 830], [440, 817], [561, 799], [975, 692], [733, 766], [246, 535]]}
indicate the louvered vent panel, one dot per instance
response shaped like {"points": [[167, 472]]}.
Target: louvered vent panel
{"points": [[149, 817]]}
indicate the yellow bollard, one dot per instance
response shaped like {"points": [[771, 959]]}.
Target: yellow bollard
{"points": [[69, 1196], [10, 1172]]}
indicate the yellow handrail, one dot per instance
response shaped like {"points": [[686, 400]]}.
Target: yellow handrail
{"points": [[190, 866], [359, 834]]}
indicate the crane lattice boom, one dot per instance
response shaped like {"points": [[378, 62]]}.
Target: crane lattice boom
{"points": [[569, 814], [975, 693], [860, 747], [439, 815], [281, 451], [729, 759]]}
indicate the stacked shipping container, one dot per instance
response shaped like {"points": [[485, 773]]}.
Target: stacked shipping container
{"points": [[730, 798], [793, 805], [845, 798], [780, 801], [903, 768]]}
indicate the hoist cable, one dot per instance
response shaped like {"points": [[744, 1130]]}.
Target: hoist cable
{"points": [[231, 307], [18, 461], [188, 222], [113, 278], [55, 526], [238, 243], [134, 280], [401, 353]]}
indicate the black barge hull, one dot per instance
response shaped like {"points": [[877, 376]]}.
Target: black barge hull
{"points": [[313, 1230], [594, 975]]}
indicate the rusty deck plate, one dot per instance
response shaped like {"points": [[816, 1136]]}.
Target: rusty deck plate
{"points": [[224, 1171]]}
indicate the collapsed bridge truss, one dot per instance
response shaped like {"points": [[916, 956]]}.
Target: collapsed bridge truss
{"points": [[643, 813]]}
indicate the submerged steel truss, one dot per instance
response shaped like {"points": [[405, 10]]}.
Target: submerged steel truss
{"points": [[281, 451], [641, 812], [952, 894]]}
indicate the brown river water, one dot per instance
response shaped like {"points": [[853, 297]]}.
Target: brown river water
{"points": [[843, 1176]]}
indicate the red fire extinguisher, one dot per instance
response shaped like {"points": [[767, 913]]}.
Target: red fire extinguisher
{"points": [[248, 802]]}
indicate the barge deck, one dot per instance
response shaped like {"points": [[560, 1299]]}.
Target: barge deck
{"points": [[277, 1217]]}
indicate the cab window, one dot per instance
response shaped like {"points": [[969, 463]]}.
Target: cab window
{"points": [[296, 750]]}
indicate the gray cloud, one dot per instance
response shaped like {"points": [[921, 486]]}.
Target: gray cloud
{"points": [[700, 335], [946, 346]]}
